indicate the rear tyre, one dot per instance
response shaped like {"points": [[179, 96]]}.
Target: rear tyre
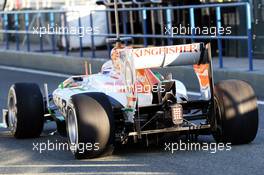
{"points": [[25, 110], [90, 126], [236, 107]]}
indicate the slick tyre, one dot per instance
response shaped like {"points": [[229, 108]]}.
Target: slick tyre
{"points": [[236, 119], [25, 110], [90, 125]]}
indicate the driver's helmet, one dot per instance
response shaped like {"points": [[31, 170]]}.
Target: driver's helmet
{"points": [[107, 67]]}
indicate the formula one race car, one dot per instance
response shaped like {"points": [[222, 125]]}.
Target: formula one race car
{"points": [[127, 102]]}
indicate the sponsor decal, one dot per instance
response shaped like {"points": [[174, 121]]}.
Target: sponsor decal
{"points": [[202, 72], [154, 51]]}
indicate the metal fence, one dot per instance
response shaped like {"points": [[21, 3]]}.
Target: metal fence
{"points": [[146, 16]]}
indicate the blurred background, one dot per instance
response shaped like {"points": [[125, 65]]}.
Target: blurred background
{"points": [[142, 20]]}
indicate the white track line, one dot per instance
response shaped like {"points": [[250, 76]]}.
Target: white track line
{"points": [[32, 71], [67, 75], [71, 165], [260, 102], [198, 94], [102, 173]]}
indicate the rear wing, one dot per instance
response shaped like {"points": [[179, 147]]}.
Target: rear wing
{"points": [[165, 56]]}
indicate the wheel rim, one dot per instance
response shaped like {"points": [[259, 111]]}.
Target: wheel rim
{"points": [[12, 114], [72, 128], [217, 122]]}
